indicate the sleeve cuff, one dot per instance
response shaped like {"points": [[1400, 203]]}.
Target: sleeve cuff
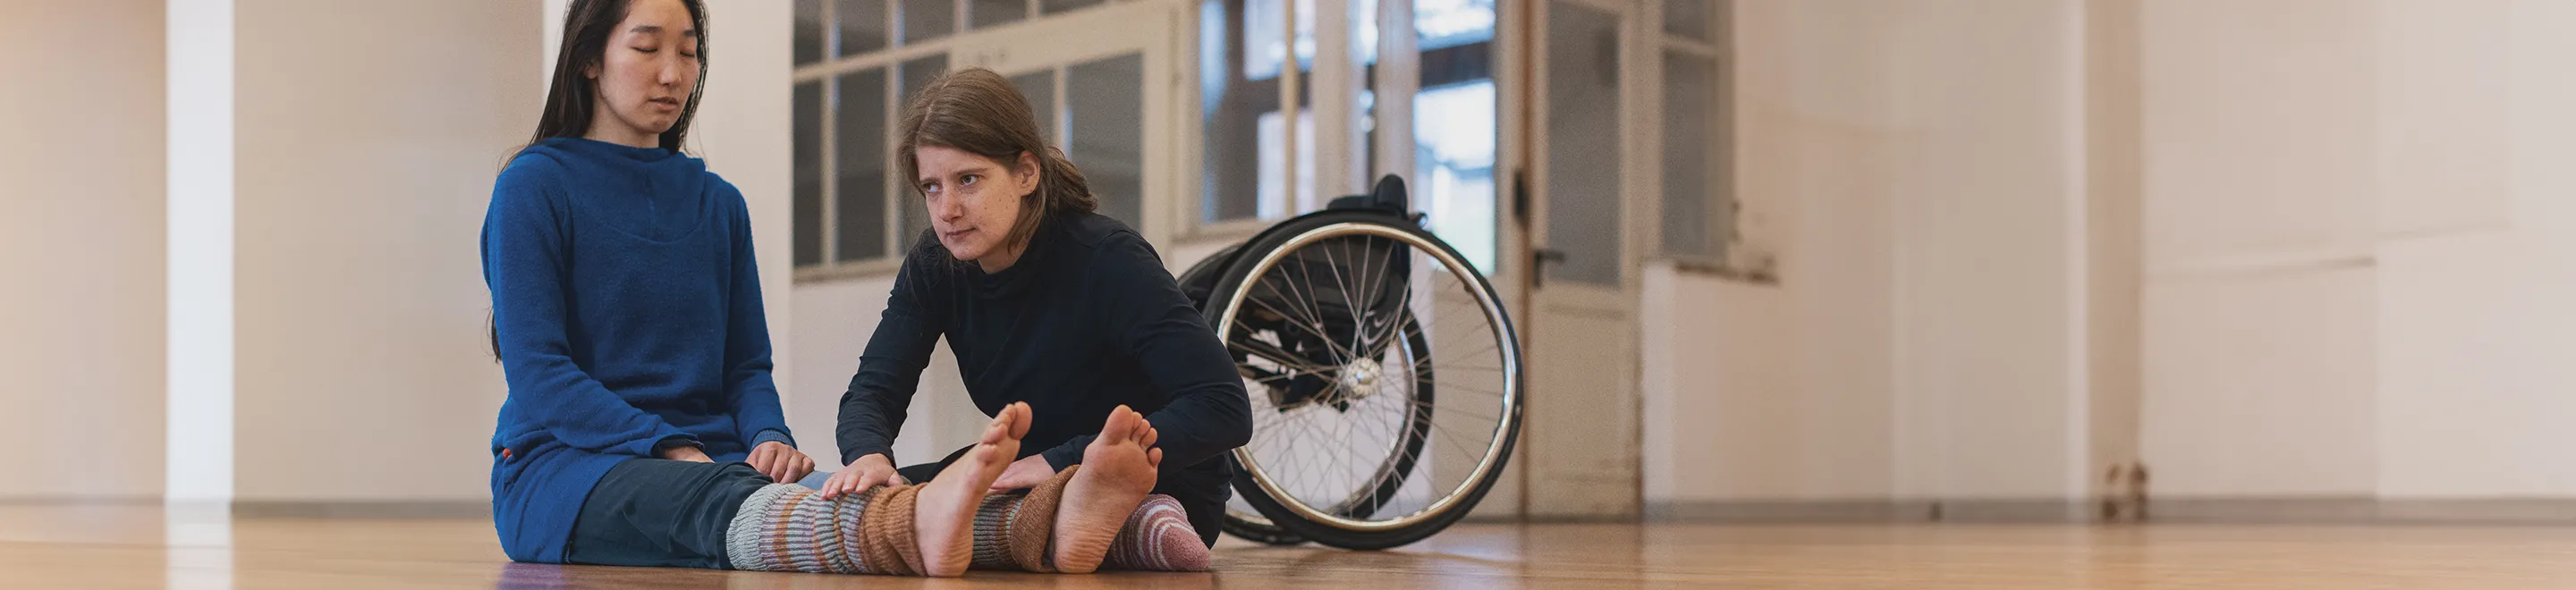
{"points": [[772, 434], [670, 442], [1068, 454]]}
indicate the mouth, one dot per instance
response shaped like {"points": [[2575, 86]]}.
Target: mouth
{"points": [[665, 103], [955, 235]]}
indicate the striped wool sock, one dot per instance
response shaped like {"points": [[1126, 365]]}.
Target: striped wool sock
{"points": [[788, 527], [1013, 530], [1158, 537]]}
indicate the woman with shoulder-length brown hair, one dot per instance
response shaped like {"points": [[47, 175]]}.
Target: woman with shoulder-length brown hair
{"points": [[1048, 304]]}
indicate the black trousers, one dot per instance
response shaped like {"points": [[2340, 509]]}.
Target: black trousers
{"points": [[662, 513]]}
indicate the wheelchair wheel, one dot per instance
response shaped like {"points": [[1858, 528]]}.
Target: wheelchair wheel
{"points": [[1245, 523], [1344, 325]]}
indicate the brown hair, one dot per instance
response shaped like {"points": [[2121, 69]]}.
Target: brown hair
{"points": [[978, 111]]}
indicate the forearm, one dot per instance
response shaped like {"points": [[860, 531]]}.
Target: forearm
{"points": [[869, 422], [756, 412]]}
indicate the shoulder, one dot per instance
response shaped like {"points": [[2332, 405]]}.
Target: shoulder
{"points": [[725, 193], [1114, 256], [1105, 238], [533, 181], [533, 169]]}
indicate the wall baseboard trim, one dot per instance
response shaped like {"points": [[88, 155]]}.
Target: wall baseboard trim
{"points": [[373, 509], [2205, 510], [80, 500]]}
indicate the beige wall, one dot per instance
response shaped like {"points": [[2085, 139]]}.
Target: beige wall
{"points": [[1786, 392], [2400, 257], [1925, 338], [2352, 244], [81, 247], [2279, 249], [367, 138], [2259, 290]]}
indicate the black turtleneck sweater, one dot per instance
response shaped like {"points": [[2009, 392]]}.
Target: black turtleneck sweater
{"points": [[1088, 319]]}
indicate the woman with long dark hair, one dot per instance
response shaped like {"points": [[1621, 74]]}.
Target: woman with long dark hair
{"points": [[642, 425]]}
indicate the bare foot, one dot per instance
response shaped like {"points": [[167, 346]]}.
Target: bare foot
{"points": [[1117, 471], [943, 516]]}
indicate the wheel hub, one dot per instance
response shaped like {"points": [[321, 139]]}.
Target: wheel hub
{"points": [[1359, 379]]}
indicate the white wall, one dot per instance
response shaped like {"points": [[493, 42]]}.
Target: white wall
{"points": [[2259, 291], [368, 135], [1925, 339], [81, 309], [2390, 271], [2477, 231], [1990, 250], [2392, 266], [2346, 225]]}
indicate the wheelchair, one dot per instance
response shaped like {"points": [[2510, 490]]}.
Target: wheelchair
{"points": [[1384, 374]]}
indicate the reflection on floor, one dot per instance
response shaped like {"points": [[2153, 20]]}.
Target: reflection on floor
{"points": [[48, 546]]}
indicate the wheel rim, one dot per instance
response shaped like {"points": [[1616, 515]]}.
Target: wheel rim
{"points": [[1294, 328]]}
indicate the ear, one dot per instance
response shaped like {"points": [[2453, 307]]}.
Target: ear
{"points": [[1026, 174], [590, 71]]}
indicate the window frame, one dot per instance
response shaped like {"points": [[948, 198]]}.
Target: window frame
{"points": [[1731, 254]]}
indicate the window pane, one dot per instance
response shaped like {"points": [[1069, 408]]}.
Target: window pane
{"points": [[863, 26], [1235, 104], [809, 31], [1688, 18], [1104, 102], [1259, 20], [924, 20], [1058, 6], [1450, 23], [1039, 88], [988, 13], [807, 120], [1689, 90], [915, 74], [1583, 144], [1455, 126], [860, 166], [1453, 134]]}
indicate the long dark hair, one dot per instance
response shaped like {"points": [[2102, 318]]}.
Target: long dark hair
{"points": [[570, 100], [587, 28], [979, 111]]}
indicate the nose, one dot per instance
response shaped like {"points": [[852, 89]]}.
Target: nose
{"points": [[674, 69], [947, 208]]}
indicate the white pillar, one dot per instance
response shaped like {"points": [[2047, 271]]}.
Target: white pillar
{"points": [[200, 443]]}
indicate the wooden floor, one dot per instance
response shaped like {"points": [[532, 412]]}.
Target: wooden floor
{"points": [[141, 547]]}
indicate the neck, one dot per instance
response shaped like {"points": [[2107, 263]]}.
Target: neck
{"points": [[607, 128], [1002, 259]]}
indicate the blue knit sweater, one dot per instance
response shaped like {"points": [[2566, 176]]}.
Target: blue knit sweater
{"points": [[627, 307]]}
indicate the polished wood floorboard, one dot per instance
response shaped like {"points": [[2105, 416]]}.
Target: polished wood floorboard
{"points": [[141, 547]]}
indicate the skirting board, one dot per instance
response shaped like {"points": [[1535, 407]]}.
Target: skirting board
{"points": [[2277, 510]]}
